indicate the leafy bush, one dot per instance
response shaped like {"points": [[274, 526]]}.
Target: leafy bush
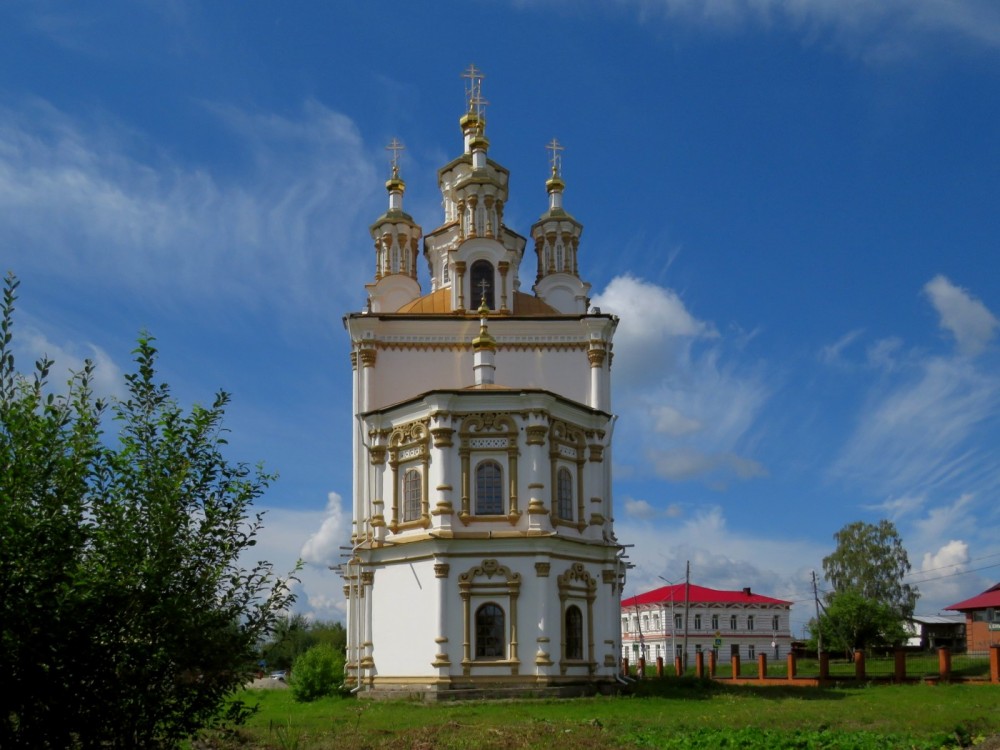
{"points": [[317, 673]]}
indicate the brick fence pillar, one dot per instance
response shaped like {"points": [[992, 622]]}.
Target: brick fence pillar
{"points": [[944, 663], [899, 666], [995, 663], [790, 659], [659, 666], [624, 666], [678, 666], [859, 665], [824, 665], [761, 666], [699, 664], [735, 661], [641, 668]]}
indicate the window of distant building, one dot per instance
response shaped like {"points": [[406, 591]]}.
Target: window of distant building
{"points": [[678, 621], [775, 622], [697, 622], [751, 653], [715, 622], [732, 622], [749, 622]]}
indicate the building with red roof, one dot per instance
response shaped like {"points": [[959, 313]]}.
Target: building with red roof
{"points": [[657, 623], [982, 619]]}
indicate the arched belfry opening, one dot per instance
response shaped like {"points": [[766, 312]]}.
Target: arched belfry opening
{"points": [[481, 280]]}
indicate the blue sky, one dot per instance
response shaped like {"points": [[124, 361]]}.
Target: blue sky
{"points": [[792, 205]]}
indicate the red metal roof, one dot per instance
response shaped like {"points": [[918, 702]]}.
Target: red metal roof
{"points": [[989, 598], [699, 595]]}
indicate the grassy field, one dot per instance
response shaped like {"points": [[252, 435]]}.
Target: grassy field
{"points": [[659, 714]]}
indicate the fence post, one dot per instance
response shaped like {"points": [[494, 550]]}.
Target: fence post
{"points": [[735, 661], [859, 665], [624, 666], [659, 666], [641, 668], [995, 663], [944, 663], [678, 666], [711, 663], [824, 665], [899, 667], [790, 659], [699, 664]]}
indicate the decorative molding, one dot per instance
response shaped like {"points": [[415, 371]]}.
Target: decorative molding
{"points": [[542, 569], [441, 570]]}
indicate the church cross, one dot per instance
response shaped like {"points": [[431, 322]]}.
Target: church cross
{"points": [[474, 89], [555, 160], [483, 286], [395, 146]]}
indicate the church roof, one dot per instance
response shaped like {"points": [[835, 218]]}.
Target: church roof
{"points": [[439, 302], [699, 595], [989, 598]]}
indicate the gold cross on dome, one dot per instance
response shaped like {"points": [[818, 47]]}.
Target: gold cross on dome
{"points": [[395, 146], [474, 89], [555, 160]]}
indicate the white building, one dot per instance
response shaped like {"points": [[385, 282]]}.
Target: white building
{"points": [[483, 551], [726, 622]]}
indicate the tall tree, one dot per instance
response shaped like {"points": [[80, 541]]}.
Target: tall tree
{"points": [[126, 616], [871, 560]]}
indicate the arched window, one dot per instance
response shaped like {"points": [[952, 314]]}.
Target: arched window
{"points": [[490, 641], [564, 495], [489, 489], [411, 495], [481, 284], [574, 633]]}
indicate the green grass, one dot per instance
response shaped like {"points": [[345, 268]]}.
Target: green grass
{"points": [[682, 713]]}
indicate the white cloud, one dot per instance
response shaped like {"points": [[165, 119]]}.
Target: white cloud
{"points": [[92, 202], [939, 577], [672, 382], [897, 507], [670, 421], [639, 509], [31, 345], [322, 548], [962, 315]]}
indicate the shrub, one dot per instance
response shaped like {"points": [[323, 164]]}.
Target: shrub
{"points": [[316, 673]]}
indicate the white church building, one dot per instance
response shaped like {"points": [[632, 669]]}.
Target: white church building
{"points": [[482, 550]]}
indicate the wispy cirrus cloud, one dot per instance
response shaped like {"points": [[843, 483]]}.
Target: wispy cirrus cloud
{"points": [[874, 30], [92, 201]]}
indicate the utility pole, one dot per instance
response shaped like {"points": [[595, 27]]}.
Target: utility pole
{"points": [[819, 631], [687, 601]]}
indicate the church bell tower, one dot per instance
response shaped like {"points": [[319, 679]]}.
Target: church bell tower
{"points": [[483, 554]]}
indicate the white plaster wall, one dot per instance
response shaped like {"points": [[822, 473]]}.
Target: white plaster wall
{"points": [[404, 618]]}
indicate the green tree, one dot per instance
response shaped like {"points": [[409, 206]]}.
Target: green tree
{"points": [[871, 560], [126, 616], [294, 635], [317, 673], [853, 622]]}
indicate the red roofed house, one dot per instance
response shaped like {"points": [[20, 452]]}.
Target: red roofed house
{"points": [[726, 622], [982, 619]]}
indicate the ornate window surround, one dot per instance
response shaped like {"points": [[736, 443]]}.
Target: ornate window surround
{"points": [[489, 582], [577, 587], [568, 448], [409, 448], [489, 435]]}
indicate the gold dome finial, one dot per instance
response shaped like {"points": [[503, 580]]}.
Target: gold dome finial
{"points": [[484, 340], [474, 120], [555, 182]]}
